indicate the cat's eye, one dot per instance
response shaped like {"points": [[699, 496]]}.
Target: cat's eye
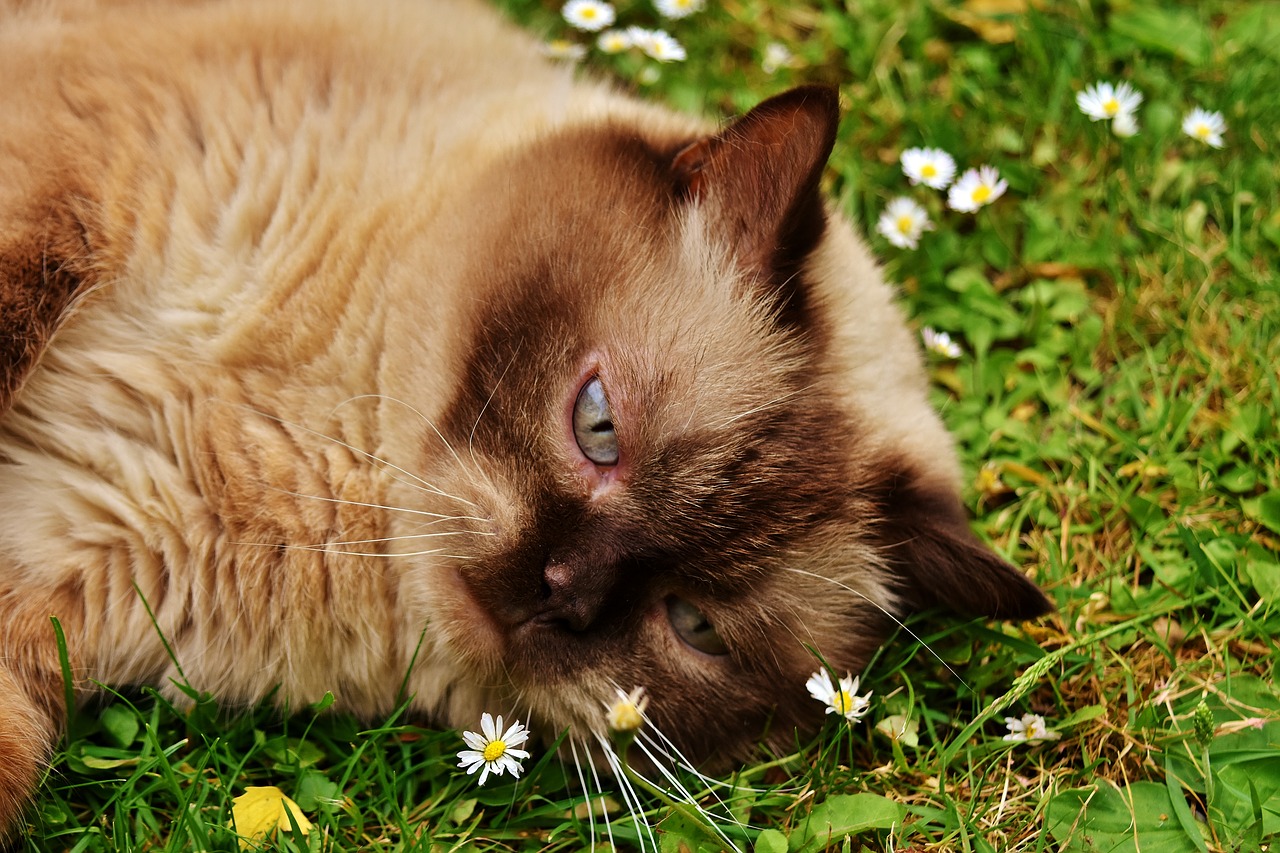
{"points": [[692, 626], [593, 424]]}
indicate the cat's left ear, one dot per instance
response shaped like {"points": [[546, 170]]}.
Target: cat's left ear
{"points": [[758, 179], [937, 560]]}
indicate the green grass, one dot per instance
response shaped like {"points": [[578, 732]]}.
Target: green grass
{"points": [[1119, 310]]}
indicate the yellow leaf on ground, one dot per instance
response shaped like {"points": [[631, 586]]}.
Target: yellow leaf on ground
{"points": [[1142, 468], [261, 811], [992, 20]]}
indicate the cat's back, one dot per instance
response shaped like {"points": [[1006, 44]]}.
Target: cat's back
{"points": [[159, 81]]}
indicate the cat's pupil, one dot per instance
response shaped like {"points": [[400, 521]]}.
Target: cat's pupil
{"points": [[593, 424]]}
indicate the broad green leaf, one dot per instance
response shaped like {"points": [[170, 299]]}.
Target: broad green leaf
{"points": [[845, 815], [1265, 577], [316, 791], [120, 723], [1106, 819], [679, 833], [1238, 478], [1231, 809], [771, 841], [293, 752], [1265, 509], [462, 811], [1081, 715]]}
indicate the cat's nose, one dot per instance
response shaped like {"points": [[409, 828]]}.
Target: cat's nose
{"points": [[572, 596]]}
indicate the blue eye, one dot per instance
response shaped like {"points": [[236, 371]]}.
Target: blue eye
{"points": [[593, 424]]}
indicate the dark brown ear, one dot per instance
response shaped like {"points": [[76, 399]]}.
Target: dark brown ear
{"points": [[758, 180], [939, 562], [38, 287]]}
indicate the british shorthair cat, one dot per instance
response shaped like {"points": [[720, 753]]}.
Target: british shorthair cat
{"points": [[346, 346]]}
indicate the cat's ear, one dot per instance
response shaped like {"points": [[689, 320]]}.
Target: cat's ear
{"points": [[939, 562], [38, 289], [758, 179]]}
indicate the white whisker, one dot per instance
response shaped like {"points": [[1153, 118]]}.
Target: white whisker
{"points": [[582, 780], [425, 420], [604, 816], [423, 485], [886, 612], [667, 749], [322, 549], [776, 401], [471, 449], [325, 546], [684, 792], [384, 506], [629, 795]]}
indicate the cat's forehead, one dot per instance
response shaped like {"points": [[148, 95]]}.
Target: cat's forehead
{"points": [[591, 240]]}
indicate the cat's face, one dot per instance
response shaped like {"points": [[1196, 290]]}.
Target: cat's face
{"points": [[654, 471]]}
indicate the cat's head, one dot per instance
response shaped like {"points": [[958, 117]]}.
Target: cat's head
{"points": [[690, 445]]}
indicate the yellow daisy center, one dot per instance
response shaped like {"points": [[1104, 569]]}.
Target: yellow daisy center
{"points": [[1203, 131], [904, 223], [981, 194], [588, 14], [928, 170], [842, 701], [494, 749], [1111, 107], [625, 717]]}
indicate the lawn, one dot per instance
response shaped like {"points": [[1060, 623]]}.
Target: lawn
{"points": [[1115, 392]]}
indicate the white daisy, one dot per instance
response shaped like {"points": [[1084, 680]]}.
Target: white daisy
{"points": [[589, 15], [1206, 126], [678, 8], [564, 49], [1103, 101], [902, 222], [626, 714], [614, 41], [494, 750], [1031, 727], [976, 188], [656, 44], [839, 698], [932, 167], [1124, 125], [940, 343], [776, 55]]}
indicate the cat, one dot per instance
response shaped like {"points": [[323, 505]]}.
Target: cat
{"points": [[351, 346]]}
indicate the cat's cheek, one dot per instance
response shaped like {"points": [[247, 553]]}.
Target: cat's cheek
{"points": [[471, 630]]}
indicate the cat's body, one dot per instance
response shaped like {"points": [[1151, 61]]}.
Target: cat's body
{"points": [[327, 279]]}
